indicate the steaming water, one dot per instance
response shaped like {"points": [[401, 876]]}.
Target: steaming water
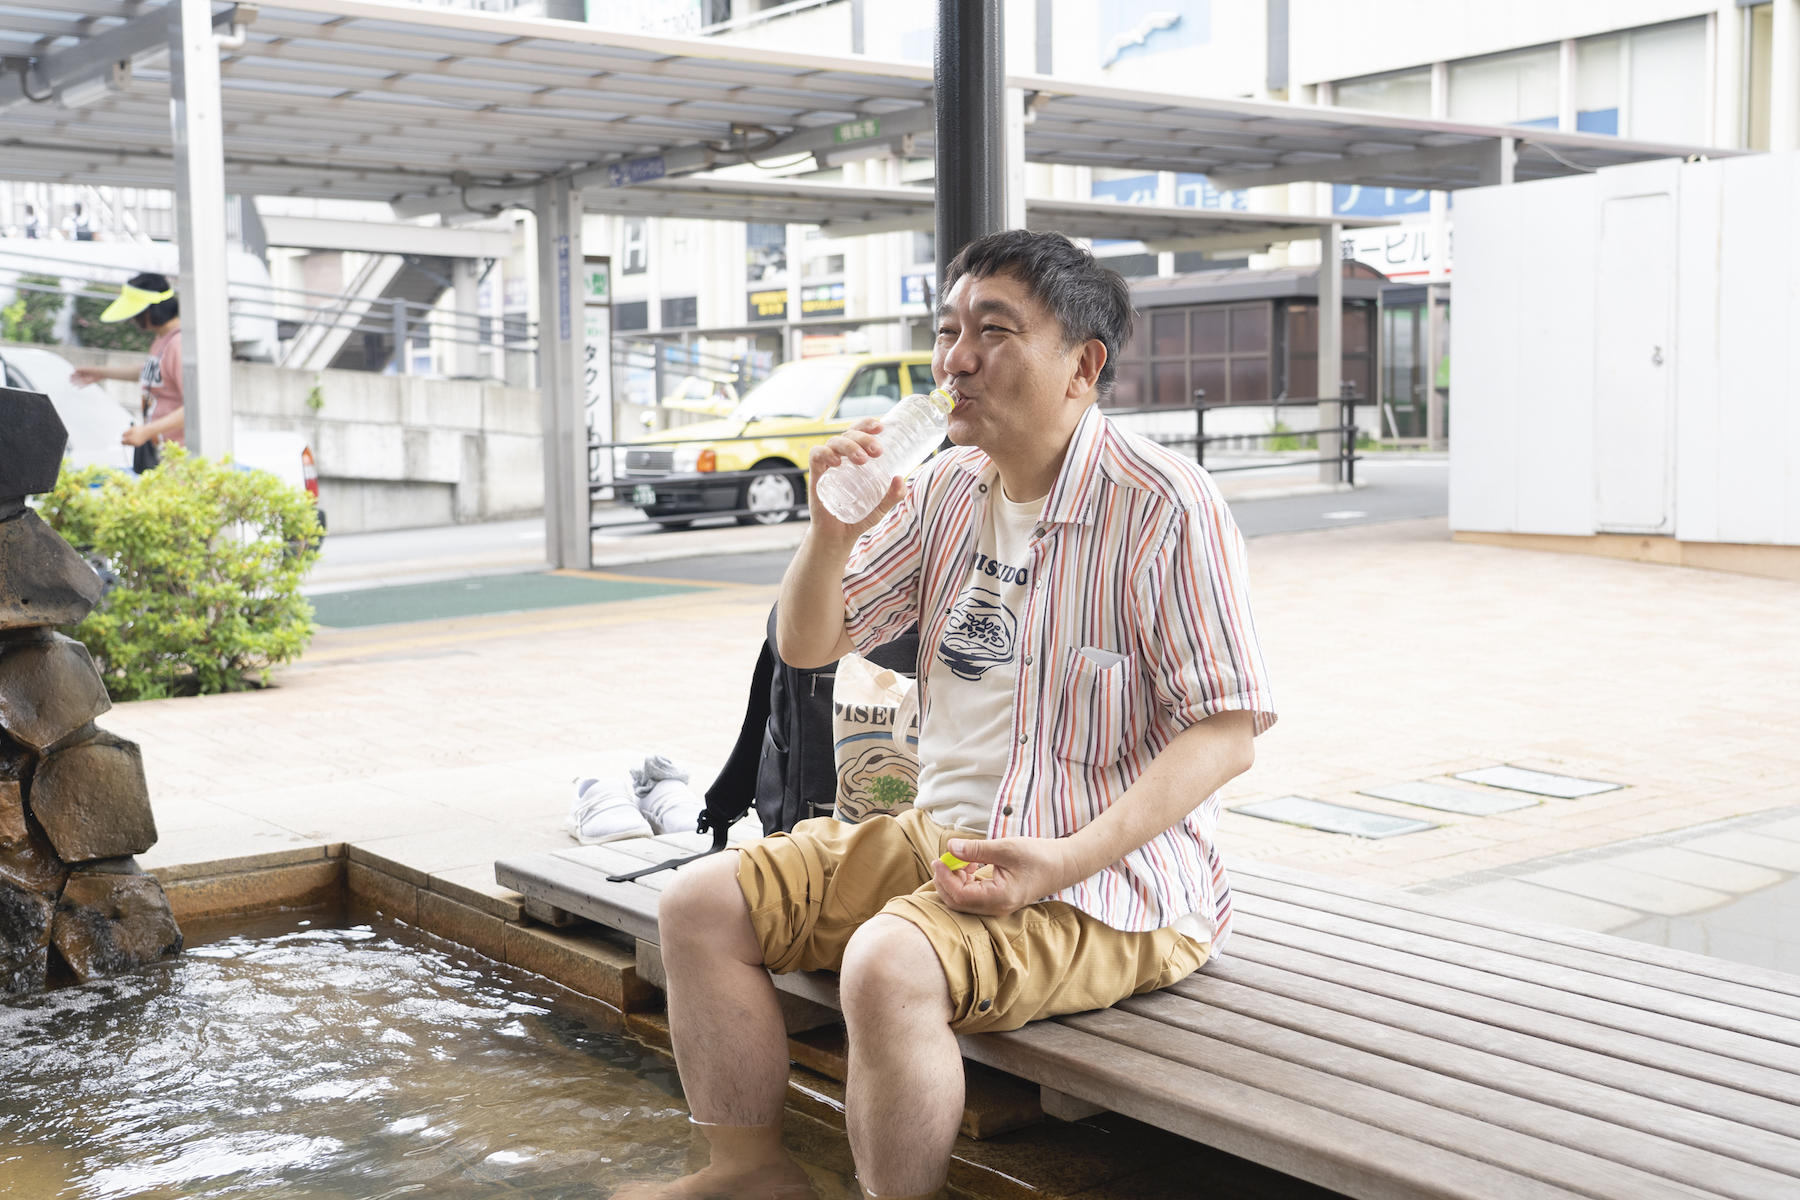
{"points": [[364, 1062]]}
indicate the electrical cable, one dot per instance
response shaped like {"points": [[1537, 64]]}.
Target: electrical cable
{"points": [[24, 66]]}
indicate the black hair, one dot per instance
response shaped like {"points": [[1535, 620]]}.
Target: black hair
{"points": [[1087, 299], [163, 311]]}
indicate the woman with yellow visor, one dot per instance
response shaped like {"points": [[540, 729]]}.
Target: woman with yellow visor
{"points": [[149, 303]]}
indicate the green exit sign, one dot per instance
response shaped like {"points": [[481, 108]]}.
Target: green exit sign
{"points": [[856, 131]]}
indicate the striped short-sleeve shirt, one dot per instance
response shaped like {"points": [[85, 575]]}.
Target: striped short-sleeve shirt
{"points": [[1136, 554]]}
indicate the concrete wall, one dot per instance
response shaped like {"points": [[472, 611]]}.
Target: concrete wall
{"points": [[394, 452], [1537, 357]]}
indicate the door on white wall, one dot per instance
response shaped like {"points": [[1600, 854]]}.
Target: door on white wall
{"points": [[1633, 368]]}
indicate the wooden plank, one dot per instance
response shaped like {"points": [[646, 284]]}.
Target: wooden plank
{"points": [[1065, 1107], [1538, 1117], [1667, 978], [1426, 1122], [1760, 1036], [579, 889], [1553, 989], [1246, 873], [1322, 958], [1654, 1100], [1296, 1138]]}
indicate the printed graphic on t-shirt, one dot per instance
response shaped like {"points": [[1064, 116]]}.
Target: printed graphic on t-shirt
{"points": [[982, 632]]}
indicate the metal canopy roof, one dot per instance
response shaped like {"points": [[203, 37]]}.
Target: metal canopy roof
{"points": [[430, 108], [848, 211]]}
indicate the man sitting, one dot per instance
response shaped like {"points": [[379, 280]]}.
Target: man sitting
{"points": [[1090, 677]]}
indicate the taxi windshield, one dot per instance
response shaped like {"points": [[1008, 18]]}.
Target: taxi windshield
{"points": [[799, 389]]}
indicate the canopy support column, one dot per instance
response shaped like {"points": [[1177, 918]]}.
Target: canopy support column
{"points": [[1331, 349], [196, 126], [562, 352]]}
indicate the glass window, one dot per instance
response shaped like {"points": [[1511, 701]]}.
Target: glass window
{"points": [[1407, 93], [1250, 380], [1128, 386], [1171, 384], [1757, 77], [1168, 335], [1598, 64], [766, 255], [874, 390], [1209, 327], [1250, 329], [1506, 89], [1669, 97], [1209, 374], [922, 382]]}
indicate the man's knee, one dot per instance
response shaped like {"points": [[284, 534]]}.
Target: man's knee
{"points": [[889, 965], [703, 903]]}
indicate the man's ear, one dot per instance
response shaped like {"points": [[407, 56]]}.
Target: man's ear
{"points": [[1090, 358]]}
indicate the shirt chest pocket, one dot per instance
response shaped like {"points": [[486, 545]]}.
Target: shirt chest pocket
{"points": [[1096, 705]]}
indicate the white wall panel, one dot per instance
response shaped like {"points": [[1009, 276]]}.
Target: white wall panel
{"points": [[1697, 406], [1554, 404], [1757, 332], [1485, 362]]}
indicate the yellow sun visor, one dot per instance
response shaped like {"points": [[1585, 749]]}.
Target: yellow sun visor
{"points": [[133, 301]]}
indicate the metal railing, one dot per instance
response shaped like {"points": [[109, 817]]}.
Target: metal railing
{"points": [[1346, 430]]}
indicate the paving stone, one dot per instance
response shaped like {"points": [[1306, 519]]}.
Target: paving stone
{"points": [[1332, 818], [1701, 870], [32, 438], [1529, 901], [43, 581], [1442, 796], [1633, 889], [1538, 783], [92, 800], [108, 923], [1751, 846], [24, 939], [49, 689]]}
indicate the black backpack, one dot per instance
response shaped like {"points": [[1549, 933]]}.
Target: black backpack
{"points": [[784, 761]]}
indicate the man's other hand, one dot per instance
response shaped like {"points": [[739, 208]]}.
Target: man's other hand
{"points": [[1002, 875]]}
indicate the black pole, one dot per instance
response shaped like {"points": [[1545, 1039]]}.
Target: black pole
{"points": [[970, 127]]}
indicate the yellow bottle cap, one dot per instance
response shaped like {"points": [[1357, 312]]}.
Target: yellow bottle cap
{"points": [[950, 860]]}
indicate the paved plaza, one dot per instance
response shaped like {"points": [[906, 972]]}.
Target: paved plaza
{"points": [[1398, 656]]}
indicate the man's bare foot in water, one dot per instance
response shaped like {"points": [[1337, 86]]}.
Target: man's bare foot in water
{"points": [[744, 1163]]}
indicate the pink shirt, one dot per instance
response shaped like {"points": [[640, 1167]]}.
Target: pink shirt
{"points": [[1136, 625], [161, 381]]}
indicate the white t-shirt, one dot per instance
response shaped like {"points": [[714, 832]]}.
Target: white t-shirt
{"points": [[965, 739]]}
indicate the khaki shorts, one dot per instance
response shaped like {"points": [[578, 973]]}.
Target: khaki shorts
{"points": [[808, 891]]}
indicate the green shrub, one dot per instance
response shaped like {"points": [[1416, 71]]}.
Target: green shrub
{"points": [[209, 562], [32, 315], [96, 334], [1289, 440]]}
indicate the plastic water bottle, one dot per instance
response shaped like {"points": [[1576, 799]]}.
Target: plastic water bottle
{"points": [[909, 433]]}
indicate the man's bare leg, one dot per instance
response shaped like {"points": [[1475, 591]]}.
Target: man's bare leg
{"points": [[725, 1023], [905, 1091], [730, 1043]]}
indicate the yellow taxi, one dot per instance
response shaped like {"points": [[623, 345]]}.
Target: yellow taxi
{"points": [[752, 464]]}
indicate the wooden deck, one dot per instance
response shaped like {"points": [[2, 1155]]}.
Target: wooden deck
{"points": [[1385, 1046]]}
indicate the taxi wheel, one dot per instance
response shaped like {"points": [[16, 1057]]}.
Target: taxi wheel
{"points": [[771, 495]]}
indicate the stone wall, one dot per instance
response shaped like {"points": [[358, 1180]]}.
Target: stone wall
{"points": [[393, 451], [74, 805]]}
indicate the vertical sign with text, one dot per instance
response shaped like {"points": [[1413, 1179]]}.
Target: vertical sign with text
{"points": [[596, 309]]}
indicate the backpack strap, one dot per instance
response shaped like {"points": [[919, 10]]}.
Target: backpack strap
{"points": [[734, 791]]}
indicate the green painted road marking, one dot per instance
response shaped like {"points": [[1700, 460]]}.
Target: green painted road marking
{"points": [[479, 597]]}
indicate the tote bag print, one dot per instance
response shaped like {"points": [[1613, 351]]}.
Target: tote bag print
{"points": [[877, 771]]}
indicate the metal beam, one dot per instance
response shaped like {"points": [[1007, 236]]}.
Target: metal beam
{"points": [[92, 57], [374, 237], [194, 118], [970, 136], [1358, 168], [561, 363], [1331, 348]]}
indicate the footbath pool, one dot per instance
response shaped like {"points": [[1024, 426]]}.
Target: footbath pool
{"points": [[332, 1059]]}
